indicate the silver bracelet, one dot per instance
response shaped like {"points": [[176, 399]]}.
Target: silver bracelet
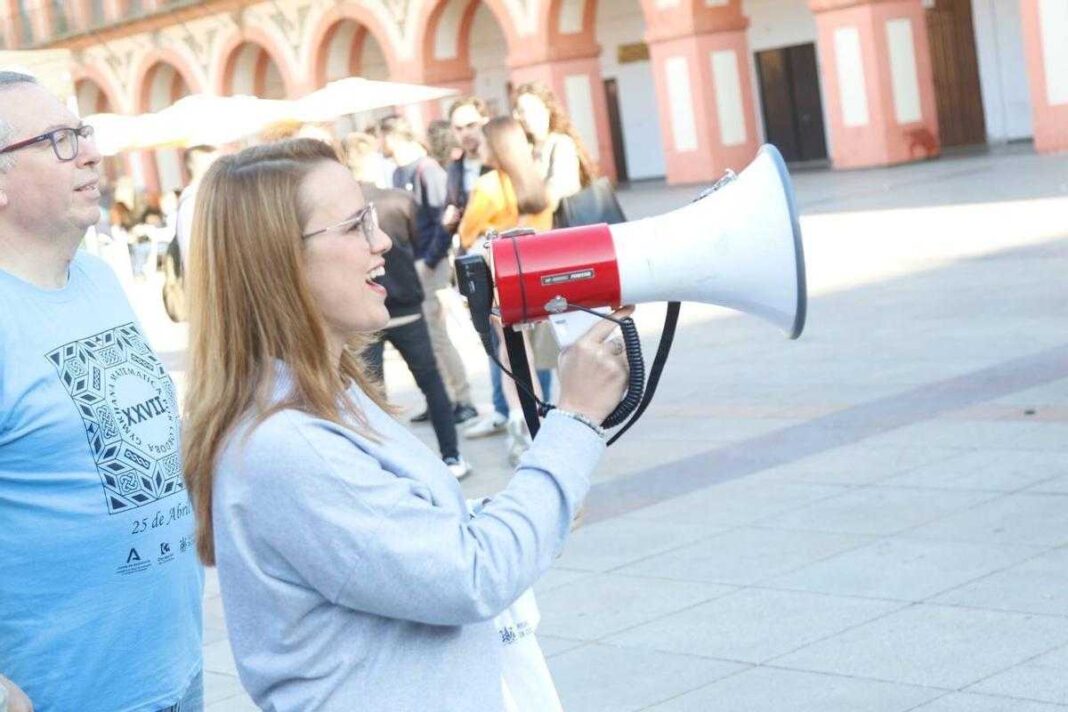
{"points": [[601, 432]]}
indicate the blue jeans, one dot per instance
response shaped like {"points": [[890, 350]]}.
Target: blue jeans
{"points": [[545, 378]]}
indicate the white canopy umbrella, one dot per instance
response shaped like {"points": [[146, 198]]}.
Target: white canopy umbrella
{"points": [[192, 120], [355, 95]]}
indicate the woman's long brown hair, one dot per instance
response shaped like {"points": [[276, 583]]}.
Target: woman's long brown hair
{"points": [[510, 151], [250, 305], [560, 122]]}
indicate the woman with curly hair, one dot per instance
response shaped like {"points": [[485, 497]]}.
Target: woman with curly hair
{"points": [[559, 152]]}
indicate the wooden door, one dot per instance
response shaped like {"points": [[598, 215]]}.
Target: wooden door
{"points": [[790, 98], [956, 73], [615, 124]]}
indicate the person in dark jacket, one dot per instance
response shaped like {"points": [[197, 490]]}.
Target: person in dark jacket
{"points": [[406, 330], [424, 178], [467, 116]]}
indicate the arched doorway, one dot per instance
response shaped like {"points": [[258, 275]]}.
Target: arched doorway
{"points": [[350, 50], [486, 42], [164, 85], [466, 47], [630, 86], [252, 70], [92, 99]]}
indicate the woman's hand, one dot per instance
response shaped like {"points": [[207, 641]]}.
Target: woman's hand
{"points": [[594, 371]]}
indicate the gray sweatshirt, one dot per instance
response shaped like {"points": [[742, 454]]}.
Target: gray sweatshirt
{"points": [[353, 577]]}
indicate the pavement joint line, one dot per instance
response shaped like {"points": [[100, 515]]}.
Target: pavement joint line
{"points": [[737, 460], [747, 668], [1012, 667]]}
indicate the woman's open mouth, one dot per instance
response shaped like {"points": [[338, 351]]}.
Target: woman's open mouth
{"points": [[374, 279]]}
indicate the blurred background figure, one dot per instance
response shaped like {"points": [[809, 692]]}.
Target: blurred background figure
{"points": [[198, 160], [442, 144], [406, 330], [467, 116], [559, 153], [511, 195], [425, 179]]}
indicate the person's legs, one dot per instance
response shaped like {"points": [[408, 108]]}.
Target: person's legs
{"points": [[450, 364], [518, 437], [492, 423], [374, 356], [545, 380], [499, 403], [413, 342]]}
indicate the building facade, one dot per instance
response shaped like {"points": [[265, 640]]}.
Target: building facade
{"points": [[677, 88]]}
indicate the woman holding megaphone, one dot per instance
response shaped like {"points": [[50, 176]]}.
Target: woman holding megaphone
{"points": [[353, 573]]}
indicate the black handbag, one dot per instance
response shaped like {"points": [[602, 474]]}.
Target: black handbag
{"points": [[594, 204]]}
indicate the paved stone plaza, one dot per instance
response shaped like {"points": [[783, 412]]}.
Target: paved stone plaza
{"points": [[872, 518]]}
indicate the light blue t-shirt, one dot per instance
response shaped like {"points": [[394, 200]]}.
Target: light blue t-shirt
{"points": [[100, 587]]}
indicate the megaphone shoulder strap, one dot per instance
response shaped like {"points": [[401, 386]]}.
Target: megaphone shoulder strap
{"points": [[520, 367]]}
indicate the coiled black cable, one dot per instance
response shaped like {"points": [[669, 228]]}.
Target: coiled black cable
{"points": [[636, 383]]}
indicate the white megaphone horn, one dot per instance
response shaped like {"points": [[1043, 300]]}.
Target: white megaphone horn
{"points": [[738, 247]]}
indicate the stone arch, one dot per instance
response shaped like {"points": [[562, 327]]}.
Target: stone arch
{"points": [[363, 24], [105, 82], [143, 76], [161, 82], [449, 57], [256, 50], [433, 11]]}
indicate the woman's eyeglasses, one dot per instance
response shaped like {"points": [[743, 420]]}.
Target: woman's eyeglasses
{"points": [[64, 142], [366, 221]]}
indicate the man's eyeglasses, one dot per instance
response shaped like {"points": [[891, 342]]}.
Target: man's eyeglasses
{"points": [[64, 142], [366, 221]]}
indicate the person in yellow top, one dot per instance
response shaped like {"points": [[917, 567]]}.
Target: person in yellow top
{"points": [[512, 194]]}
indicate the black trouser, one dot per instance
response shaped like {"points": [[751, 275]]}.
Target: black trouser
{"points": [[413, 342]]}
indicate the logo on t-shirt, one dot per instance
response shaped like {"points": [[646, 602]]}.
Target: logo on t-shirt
{"points": [[128, 405]]}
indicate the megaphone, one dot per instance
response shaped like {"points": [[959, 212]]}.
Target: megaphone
{"points": [[738, 246]]}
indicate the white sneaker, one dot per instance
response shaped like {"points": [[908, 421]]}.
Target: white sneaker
{"points": [[518, 440], [458, 467], [488, 425]]}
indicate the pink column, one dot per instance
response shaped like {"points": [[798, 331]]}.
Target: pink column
{"points": [[9, 21], [577, 82], [705, 98], [1045, 31], [875, 66]]}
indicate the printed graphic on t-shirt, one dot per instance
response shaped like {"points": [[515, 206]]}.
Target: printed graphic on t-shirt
{"points": [[128, 405]]}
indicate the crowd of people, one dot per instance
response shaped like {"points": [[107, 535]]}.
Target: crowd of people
{"points": [[438, 196], [354, 574]]}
